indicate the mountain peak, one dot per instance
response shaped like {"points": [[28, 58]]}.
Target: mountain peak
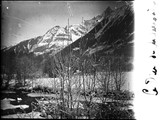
{"points": [[58, 37]]}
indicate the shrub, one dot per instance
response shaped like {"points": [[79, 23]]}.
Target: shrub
{"points": [[120, 95]]}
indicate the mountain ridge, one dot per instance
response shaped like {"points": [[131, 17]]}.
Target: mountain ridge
{"points": [[76, 31], [110, 33]]}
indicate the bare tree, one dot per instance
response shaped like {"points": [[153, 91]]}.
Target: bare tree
{"points": [[104, 77], [26, 68], [118, 72], [59, 69]]}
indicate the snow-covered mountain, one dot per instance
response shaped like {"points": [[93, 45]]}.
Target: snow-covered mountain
{"points": [[55, 39], [108, 33], [58, 37]]}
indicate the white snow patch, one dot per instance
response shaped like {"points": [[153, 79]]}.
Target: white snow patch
{"points": [[42, 44], [38, 53], [61, 31], [76, 48], [9, 99], [5, 104], [41, 95], [75, 29], [63, 43], [75, 37], [63, 37], [23, 106], [19, 99], [53, 42], [28, 46], [47, 36]]}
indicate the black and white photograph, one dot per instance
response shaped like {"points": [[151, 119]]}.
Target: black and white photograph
{"points": [[71, 60]]}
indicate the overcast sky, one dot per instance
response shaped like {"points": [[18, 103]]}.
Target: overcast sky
{"points": [[22, 20]]}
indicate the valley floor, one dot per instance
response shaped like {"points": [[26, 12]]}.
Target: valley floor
{"points": [[41, 98]]}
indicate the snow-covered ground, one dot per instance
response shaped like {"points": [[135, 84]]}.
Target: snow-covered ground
{"points": [[24, 115], [55, 84], [5, 104], [77, 82]]}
